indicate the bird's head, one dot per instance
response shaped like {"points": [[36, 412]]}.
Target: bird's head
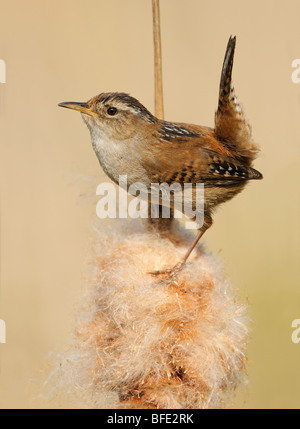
{"points": [[114, 116]]}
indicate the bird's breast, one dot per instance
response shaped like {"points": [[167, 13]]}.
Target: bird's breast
{"points": [[119, 158]]}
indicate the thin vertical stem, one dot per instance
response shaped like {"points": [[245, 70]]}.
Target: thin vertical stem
{"points": [[159, 104]]}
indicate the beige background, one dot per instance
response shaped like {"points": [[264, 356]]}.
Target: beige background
{"points": [[58, 50]]}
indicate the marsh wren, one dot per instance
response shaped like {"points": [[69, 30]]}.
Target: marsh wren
{"points": [[129, 140]]}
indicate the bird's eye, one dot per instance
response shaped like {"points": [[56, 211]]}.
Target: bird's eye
{"points": [[112, 111]]}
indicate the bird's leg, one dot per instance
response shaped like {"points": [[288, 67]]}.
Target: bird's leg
{"points": [[173, 271], [180, 264]]}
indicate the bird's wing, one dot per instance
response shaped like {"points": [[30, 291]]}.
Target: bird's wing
{"points": [[198, 165], [231, 126]]}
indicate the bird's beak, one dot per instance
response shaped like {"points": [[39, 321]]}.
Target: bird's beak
{"points": [[81, 107]]}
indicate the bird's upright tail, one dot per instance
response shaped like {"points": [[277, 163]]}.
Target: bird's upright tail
{"points": [[231, 126], [226, 86]]}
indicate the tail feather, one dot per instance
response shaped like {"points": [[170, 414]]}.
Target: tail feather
{"points": [[226, 86], [231, 126]]}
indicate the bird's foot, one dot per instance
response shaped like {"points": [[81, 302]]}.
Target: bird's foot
{"points": [[171, 272]]}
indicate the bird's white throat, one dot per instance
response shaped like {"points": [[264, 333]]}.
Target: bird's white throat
{"points": [[115, 156]]}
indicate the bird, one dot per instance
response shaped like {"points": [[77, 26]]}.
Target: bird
{"points": [[129, 140]]}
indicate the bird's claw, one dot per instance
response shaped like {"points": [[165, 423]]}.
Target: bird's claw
{"points": [[171, 272]]}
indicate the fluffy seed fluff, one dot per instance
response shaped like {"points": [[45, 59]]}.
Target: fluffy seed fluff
{"points": [[145, 342]]}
